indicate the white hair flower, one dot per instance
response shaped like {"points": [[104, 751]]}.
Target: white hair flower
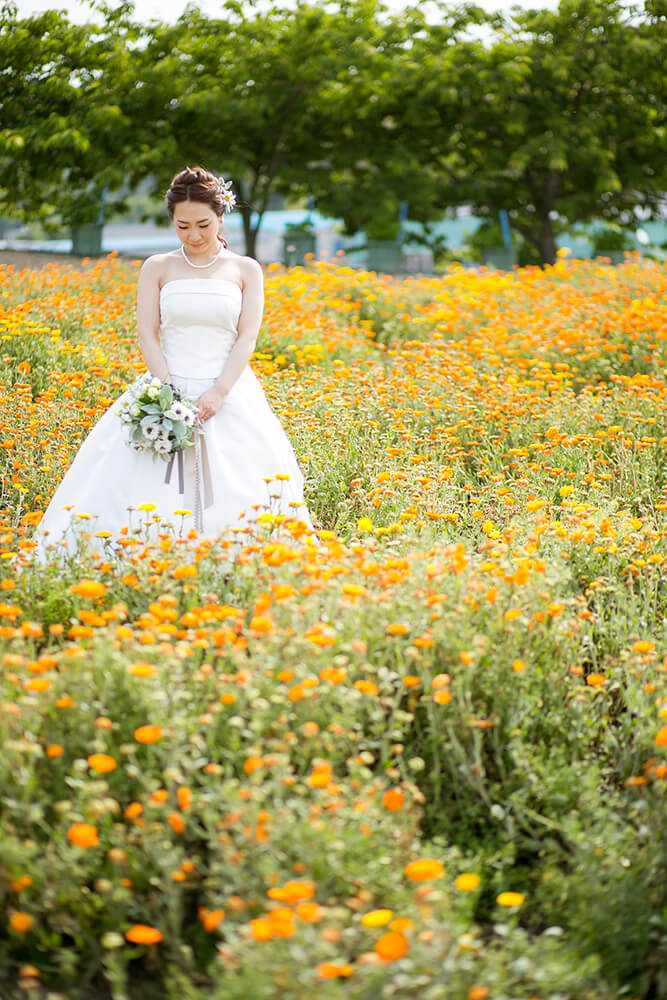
{"points": [[226, 194]]}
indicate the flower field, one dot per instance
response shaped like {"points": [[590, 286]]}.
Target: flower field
{"points": [[425, 758]]}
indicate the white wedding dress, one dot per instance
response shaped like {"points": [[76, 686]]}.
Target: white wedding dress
{"points": [[245, 442]]}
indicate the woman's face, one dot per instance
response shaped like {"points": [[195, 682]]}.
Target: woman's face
{"points": [[196, 225]]}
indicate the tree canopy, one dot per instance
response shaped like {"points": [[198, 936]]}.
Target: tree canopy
{"points": [[558, 117]]}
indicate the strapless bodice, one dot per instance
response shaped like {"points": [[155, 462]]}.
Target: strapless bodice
{"points": [[198, 325]]}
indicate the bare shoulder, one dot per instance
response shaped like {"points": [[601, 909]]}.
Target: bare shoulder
{"points": [[154, 267], [251, 272]]}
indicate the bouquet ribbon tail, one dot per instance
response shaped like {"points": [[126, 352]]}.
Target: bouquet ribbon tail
{"points": [[181, 479], [203, 480]]}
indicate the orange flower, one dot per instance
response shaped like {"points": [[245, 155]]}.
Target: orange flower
{"points": [[176, 822], [184, 572], [20, 923], [643, 646], [661, 738], [393, 799], [333, 970], [211, 918], [101, 762], [143, 934], [148, 734], [142, 669], [20, 883], [440, 681], [310, 913], [366, 687], [261, 929], [89, 588], [423, 869], [442, 697], [184, 796], [391, 946], [595, 680], [83, 835], [398, 628]]}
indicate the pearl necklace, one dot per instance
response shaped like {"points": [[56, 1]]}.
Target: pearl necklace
{"points": [[202, 265]]}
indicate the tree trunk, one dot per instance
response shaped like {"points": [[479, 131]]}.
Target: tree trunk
{"points": [[546, 242], [249, 232]]}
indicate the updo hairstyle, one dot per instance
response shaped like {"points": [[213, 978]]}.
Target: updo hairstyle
{"points": [[195, 184]]}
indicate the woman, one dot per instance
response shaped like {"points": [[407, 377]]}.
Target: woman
{"points": [[199, 310]]}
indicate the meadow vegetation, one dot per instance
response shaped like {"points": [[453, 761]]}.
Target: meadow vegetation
{"points": [[424, 758]]}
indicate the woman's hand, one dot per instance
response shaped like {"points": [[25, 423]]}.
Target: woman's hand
{"points": [[209, 403]]}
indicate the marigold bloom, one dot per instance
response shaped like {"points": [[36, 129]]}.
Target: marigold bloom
{"points": [[310, 913], [261, 929], [510, 899], [423, 869], [661, 738], [176, 822], [643, 646], [398, 628], [83, 835], [391, 946], [211, 918], [142, 670], [332, 970], [148, 734], [377, 918], [468, 882], [89, 588], [20, 922], [393, 799], [595, 680], [102, 763], [143, 934], [184, 796]]}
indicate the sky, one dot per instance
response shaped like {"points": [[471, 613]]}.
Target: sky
{"points": [[170, 10]]}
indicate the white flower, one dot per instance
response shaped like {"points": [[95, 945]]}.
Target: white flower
{"points": [[150, 432], [152, 392], [156, 383], [162, 445], [135, 410]]}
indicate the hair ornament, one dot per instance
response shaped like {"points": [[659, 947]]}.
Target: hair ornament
{"points": [[226, 194]]}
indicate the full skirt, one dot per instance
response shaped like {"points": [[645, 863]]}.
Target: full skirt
{"points": [[246, 447]]}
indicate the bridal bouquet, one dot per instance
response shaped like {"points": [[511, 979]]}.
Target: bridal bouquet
{"points": [[159, 418]]}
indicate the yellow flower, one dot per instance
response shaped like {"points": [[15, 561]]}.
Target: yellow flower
{"points": [[510, 899], [468, 882], [377, 918]]}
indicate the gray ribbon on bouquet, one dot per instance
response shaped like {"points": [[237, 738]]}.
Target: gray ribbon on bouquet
{"points": [[203, 480]]}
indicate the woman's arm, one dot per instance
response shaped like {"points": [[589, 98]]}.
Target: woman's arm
{"points": [[249, 323], [148, 318]]}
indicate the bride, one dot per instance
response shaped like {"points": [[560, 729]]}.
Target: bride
{"points": [[199, 310]]}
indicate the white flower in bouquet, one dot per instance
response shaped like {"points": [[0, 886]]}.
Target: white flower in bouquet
{"points": [[158, 417]]}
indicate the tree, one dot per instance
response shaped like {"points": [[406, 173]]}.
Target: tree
{"points": [[65, 118], [247, 95], [559, 119]]}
